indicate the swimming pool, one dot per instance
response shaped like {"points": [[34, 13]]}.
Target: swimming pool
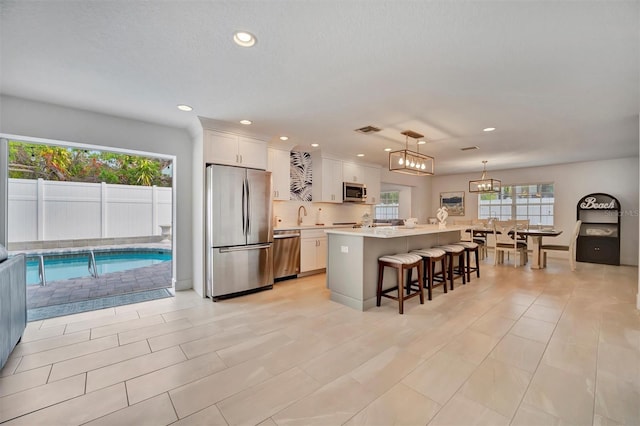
{"points": [[67, 266]]}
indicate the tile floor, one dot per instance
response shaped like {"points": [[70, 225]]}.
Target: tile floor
{"points": [[517, 347]]}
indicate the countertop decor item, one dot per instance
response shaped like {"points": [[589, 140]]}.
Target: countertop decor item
{"points": [[411, 162], [484, 184]]}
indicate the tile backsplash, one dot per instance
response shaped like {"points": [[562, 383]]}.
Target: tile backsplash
{"points": [[328, 213]]}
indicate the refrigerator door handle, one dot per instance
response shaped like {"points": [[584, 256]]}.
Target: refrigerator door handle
{"points": [[248, 207], [244, 216], [244, 248]]}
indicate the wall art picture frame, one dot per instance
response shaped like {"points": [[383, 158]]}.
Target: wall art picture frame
{"points": [[453, 201]]}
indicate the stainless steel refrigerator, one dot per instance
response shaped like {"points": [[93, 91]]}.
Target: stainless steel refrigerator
{"points": [[239, 233]]}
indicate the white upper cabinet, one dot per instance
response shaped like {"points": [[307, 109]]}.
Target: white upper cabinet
{"points": [[372, 180], [353, 172], [279, 162], [234, 150], [327, 179]]}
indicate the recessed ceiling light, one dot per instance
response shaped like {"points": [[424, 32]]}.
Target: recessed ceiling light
{"points": [[244, 39], [315, 145], [388, 149], [284, 138], [488, 129], [360, 155], [246, 122], [421, 142], [183, 107]]}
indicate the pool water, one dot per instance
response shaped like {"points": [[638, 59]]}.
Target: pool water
{"points": [[75, 266]]}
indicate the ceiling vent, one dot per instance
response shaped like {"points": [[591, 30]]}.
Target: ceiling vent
{"points": [[368, 129], [469, 148]]}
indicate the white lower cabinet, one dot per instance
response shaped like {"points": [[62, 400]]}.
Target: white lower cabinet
{"points": [[313, 250]]}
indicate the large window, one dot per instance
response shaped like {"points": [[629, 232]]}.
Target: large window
{"points": [[388, 207], [530, 201]]}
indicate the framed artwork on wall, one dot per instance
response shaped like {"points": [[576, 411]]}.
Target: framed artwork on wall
{"points": [[454, 202]]}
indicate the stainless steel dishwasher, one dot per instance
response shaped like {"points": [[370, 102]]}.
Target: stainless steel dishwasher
{"points": [[286, 254]]}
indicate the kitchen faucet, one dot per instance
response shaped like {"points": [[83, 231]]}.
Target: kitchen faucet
{"points": [[299, 216]]}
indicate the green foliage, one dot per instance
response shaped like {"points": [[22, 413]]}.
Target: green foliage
{"points": [[50, 162]]}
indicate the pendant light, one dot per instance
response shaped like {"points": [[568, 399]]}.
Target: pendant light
{"points": [[484, 184], [411, 162]]}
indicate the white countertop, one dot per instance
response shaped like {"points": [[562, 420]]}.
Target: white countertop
{"points": [[395, 231], [301, 227]]}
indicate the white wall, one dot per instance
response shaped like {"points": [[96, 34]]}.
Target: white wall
{"points": [[421, 204], [571, 182], [27, 118]]}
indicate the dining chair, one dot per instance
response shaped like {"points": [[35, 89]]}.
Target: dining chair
{"points": [[571, 248], [465, 234], [505, 233]]}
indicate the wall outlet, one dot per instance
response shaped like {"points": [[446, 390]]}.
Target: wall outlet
{"points": [[344, 249]]}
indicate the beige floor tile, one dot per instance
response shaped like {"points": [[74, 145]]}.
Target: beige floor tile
{"points": [[176, 338], [31, 334], [153, 331], [267, 398], [172, 377], [600, 420], [528, 415], [565, 395], [97, 360], [617, 399], [461, 411], [50, 343], [209, 416], [71, 319], [268, 422], [248, 348], [439, 377], [78, 410], [508, 310], [519, 352], [383, 371], [134, 324], [533, 329], [134, 367], [543, 313], [336, 362], [620, 362], [66, 352], [552, 301], [22, 381], [494, 325], [10, 366], [334, 403], [401, 405], [614, 333], [472, 346], [211, 389], [498, 386], [20, 403], [152, 412], [430, 343], [295, 353], [578, 330], [571, 357], [100, 322]]}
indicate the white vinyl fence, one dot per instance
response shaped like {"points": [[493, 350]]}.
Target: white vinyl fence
{"points": [[41, 210]]}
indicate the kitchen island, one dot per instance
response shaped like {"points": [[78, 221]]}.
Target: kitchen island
{"points": [[352, 262]]}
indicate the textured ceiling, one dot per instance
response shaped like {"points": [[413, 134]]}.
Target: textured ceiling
{"points": [[559, 80]]}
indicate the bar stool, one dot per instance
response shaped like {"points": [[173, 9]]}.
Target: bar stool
{"points": [[452, 251], [469, 247], [430, 258], [400, 262]]}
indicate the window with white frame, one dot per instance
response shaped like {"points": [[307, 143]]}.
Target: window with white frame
{"points": [[388, 206], [530, 201]]}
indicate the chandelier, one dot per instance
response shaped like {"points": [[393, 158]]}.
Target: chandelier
{"points": [[484, 184], [411, 162]]}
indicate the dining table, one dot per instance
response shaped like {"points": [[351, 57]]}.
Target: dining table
{"points": [[536, 236]]}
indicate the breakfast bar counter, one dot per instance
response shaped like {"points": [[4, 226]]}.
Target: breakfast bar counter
{"points": [[352, 261]]}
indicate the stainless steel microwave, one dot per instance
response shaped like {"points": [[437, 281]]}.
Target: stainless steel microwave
{"points": [[354, 192]]}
